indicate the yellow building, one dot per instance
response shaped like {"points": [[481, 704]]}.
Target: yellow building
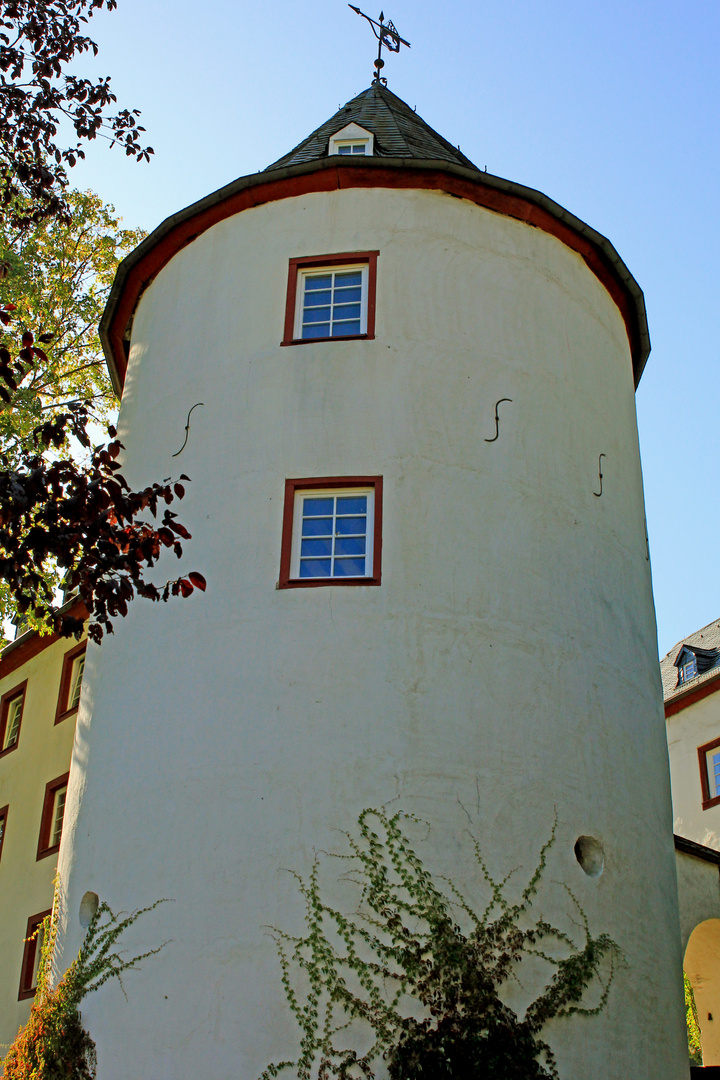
{"points": [[691, 687], [40, 681]]}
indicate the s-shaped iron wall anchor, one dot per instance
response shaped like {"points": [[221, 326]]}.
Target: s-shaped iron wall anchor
{"points": [[597, 494], [187, 428], [497, 419]]}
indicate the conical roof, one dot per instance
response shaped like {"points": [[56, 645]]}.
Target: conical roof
{"points": [[399, 132]]}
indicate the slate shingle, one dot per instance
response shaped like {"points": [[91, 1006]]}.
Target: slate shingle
{"points": [[706, 641], [399, 132]]}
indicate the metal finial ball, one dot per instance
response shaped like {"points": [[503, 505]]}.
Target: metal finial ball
{"points": [[379, 63]]}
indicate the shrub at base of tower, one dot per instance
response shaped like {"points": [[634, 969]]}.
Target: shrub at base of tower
{"points": [[415, 977], [53, 1045]]}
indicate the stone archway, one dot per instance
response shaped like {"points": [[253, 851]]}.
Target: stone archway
{"points": [[702, 966]]}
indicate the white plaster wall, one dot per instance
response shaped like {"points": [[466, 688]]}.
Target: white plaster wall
{"points": [[508, 658], [692, 727], [698, 893]]}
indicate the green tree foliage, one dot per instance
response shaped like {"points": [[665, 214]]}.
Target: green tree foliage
{"points": [[56, 488], [418, 976], [58, 275], [693, 1028], [42, 104], [53, 1045], [62, 513]]}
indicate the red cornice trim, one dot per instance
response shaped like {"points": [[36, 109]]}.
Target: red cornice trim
{"points": [[14, 657], [678, 704], [346, 176]]}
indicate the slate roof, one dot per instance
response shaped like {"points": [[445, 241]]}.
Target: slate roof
{"points": [[399, 132], [706, 641]]}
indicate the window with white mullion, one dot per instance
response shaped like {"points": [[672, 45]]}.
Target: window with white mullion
{"points": [[332, 539], [351, 148], [78, 670], [334, 303], [58, 816], [13, 721], [712, 765]]}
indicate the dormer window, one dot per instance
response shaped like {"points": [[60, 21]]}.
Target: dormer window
{"points": [[350, 148], [351, 141], [689, 670], [692, 661]]}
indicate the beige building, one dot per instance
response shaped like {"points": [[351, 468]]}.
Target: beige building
{"points": [[40, 682], [691, 687]]}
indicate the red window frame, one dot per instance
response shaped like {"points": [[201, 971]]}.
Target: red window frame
{"points": [[62, 712], [44, 847], [707, 802], [329, 482], [27, 990], [311, 262], [4, 819], [5, 702]]}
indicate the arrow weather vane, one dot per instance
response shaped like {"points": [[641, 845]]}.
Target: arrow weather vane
{"points": [[387, 35]]}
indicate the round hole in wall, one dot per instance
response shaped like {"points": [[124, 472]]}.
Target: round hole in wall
{"points": [[589, 853], [88, 908]]}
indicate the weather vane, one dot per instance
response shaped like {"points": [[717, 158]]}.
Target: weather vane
{"points": [[387, 35]]}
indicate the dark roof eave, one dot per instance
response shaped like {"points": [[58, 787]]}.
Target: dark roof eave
{"points": [[509, 187], [700, 851]]}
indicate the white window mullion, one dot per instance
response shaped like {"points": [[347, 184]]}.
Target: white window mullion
{"points": [[299, 517], [335, 299]]}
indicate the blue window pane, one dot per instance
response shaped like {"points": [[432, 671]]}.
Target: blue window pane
{"points": [[314, 568], [344, 311], [349, 277], [317, 314], [345, 329], [349, 526], [317, 527], [322, 281], [344, 149], [345, 545], [347, 296], [358, 149], [349, 568], [317, 507], [316, 330], [315, 299], [351, 504], [317, 548]]}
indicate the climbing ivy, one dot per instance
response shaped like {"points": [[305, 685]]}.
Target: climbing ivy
{"points": [[693, 1028], [415, 977], [53, 1045]]}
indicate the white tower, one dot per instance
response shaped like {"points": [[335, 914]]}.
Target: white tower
{"points": [[399, 604]]}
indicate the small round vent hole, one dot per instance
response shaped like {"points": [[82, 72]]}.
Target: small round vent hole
{"points": [[88, 908], [589, 853]]}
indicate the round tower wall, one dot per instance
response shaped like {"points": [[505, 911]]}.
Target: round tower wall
{"points": [[505, 670]]}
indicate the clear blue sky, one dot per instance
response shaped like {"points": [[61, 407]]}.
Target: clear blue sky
{"points": [[611, 108]]}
